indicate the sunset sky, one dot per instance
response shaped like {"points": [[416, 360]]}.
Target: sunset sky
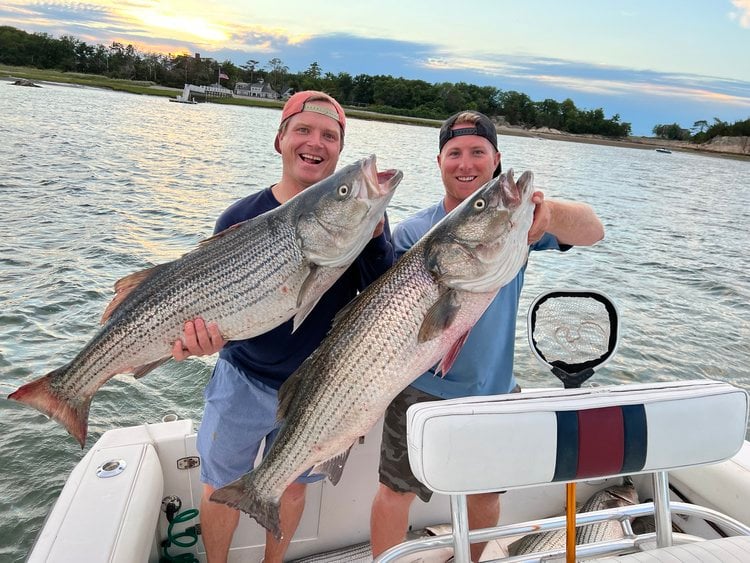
{"points": [[650, 61]]}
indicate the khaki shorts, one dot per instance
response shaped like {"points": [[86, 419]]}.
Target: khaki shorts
{"points": [[394, 470]]}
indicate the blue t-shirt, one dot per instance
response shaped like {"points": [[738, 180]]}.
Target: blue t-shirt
{"points": [[272, 357], [485, 364]]}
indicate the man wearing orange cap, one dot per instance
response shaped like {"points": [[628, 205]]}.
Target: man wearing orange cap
{"points": [[241, 397]]}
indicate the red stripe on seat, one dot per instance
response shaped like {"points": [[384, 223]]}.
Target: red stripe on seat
{"points": [[601, 442]]}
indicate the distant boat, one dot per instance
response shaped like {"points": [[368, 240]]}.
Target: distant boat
{"points": [[184, 98], [662, 149]]}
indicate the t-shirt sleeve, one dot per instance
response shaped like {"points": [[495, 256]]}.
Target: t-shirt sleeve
{"points": [[550, 242]]}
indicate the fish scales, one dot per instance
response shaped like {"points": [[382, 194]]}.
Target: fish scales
{"points": [[398, 328], [249, 279], [163, 312], [611, 497]]}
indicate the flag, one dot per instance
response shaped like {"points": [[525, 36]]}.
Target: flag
{"points": [[224, 76]]}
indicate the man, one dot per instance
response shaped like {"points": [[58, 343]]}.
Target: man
{"points": [[241, 397], [468, 159]]}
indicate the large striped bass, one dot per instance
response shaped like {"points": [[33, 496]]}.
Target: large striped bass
{"points": [[416, 315], [248, 279], [607, 530]]}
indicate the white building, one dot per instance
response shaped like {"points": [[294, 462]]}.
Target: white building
{"points": [[260, 89]]}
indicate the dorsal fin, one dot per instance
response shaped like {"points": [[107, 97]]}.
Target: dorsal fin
{"points": [[221, 234], [124, 287]]}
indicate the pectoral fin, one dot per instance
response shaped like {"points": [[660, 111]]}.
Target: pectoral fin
{"points": [[439, 317], [315, 285]]}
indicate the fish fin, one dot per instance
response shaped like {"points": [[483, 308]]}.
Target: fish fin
{"points": [[312, 289], [333, 467], [241, 494], [140, 371], [447, 361], [124, 287], [439, 317], [39, 394], [288, 391], [221, 234]]}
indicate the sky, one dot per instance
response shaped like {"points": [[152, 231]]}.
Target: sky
{"points": [[648, 61]]}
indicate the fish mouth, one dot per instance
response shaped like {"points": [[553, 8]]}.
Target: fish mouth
{"points": [[378, 184]]}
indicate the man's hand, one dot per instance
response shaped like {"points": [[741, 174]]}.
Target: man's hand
{"points": [[542, 217], [198, 339]]}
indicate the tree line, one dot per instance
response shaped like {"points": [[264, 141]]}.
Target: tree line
{"points": [[379, 93], [702, 131]]}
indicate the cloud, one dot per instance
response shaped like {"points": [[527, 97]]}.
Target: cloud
{"points": [[743, 12]]}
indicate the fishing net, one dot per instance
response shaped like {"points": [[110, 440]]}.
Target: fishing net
{"points": [[573, 332]]}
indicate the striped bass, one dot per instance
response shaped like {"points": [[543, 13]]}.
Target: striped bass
{"points": [[611, 497], [416, 315], [248, 279]]}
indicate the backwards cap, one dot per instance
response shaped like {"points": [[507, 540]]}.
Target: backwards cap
{"points": [[307, 101], [483, 127]]}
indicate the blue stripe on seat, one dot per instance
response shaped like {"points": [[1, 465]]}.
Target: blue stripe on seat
{"points": [[636, 438], [566, 463]]}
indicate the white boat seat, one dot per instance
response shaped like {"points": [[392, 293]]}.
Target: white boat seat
{"points": [[484, 444], [735, 549]]}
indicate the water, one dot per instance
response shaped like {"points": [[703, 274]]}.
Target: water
{"points": [[96, 184]]}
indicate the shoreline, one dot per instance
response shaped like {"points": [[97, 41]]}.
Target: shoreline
{"points": [[10, 74], [643, 143]]}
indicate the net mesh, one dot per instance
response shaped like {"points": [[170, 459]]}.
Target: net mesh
{"points": [[572, 329]]}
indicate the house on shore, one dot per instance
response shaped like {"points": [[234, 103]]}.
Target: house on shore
{"points": [[260, 89]]}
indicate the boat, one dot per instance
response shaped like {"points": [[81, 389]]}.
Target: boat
{"points": [[664, 150], [185, 97], [135, 495], [119, 499]]}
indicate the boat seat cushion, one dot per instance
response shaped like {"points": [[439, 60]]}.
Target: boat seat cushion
{"points": [[483, 444], [735, 549]]}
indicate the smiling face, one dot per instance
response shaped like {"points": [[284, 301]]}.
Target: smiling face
{"points": [[310, 145], [466, 164]]}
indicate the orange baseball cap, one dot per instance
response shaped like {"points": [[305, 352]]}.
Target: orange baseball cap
{"points": [[305, 101]]}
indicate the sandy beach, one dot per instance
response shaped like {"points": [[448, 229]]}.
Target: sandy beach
{"points": [[646, 143]]}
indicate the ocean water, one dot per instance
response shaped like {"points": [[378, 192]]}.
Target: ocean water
{"points": [[96, 184]]}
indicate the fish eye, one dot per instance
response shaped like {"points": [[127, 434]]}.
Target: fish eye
{"points": [[480, 204], [343, 190]]}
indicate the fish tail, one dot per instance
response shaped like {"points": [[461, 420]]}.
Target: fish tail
{"points": [[242, 494], [40, 395]]}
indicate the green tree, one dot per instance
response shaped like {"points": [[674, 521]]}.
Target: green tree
{"points": [[277, 73], [250, 67]]}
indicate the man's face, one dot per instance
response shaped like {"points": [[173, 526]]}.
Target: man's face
{"points": [[466, 164], [310, 146]]}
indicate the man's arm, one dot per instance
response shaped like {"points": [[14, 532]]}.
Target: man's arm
{"points": [[571, 222]]}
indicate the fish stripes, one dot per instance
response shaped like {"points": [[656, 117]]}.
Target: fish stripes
{"points": [[602, 441]]}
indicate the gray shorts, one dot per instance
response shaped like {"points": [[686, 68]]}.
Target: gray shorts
{"points": [[394, 470], [239, 417]]}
